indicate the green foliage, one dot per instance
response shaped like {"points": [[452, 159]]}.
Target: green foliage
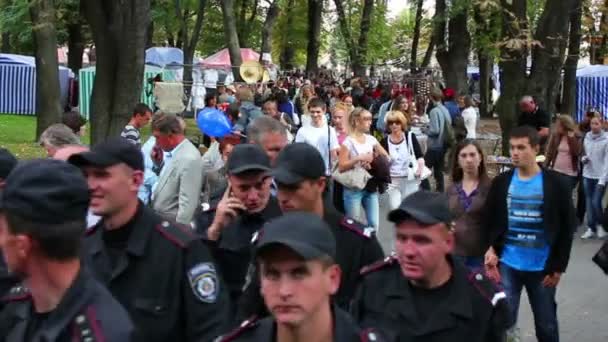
{"points": [[15, 19], [292, 34]]}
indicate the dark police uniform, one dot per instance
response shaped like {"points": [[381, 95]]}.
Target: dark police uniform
{"points": [[234, 248], [165, 277], [345, 330], [357, 246], [470, 309], [87, 312]]}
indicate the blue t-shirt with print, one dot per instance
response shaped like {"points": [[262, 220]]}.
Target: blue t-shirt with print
{"points": [[526, 247]]}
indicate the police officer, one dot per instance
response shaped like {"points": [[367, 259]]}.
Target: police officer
{"points": [[422, 294], [44, 208], [160, 271], [296, 257], [229, 226], [300, 175]]}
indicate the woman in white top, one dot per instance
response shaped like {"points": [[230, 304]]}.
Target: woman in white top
{"points": [[407, 160], [469, 114], [359, 149]]}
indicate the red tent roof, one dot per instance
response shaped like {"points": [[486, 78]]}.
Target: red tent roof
{"points": [[221, 59]]}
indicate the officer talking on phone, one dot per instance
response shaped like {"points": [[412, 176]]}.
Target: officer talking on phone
{"points": [[230, 225]]}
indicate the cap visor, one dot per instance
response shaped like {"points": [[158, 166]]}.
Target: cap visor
{"points": [[401, 214], [251, 167], [304, 250], [92, 159], [285, 176]]}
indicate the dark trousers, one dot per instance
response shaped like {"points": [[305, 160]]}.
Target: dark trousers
{"points": [[435, 159], [542, 301]]}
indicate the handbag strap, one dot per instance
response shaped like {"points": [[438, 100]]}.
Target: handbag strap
{"points": [[328, 147]]}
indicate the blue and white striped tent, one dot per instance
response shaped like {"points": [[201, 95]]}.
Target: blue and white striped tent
{"points": [[18, 84], [591, 89]]}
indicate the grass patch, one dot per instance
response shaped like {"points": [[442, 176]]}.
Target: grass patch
{"points": [[18, 135]]}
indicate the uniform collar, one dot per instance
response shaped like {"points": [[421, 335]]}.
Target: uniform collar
{"points": [[142, 223], [457, 304]]}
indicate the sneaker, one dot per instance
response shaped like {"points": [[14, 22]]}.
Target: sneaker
{"points": [[601, 233], [589, 234]]}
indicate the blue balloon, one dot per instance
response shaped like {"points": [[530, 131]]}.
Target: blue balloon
{"points": [[213, 122]]}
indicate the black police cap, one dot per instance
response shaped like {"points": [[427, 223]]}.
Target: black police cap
{"points": [[7, 163], [247, 157], [46, 191], [109, 153], [425, 207], [298, 162], [304, 233]]}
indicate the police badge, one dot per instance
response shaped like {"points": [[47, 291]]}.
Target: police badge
{"points": [[204, 282]]}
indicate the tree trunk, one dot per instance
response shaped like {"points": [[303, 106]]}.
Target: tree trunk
{"points": [[48, 107], [486, 36], [288, 51], [190, 47], [512, 66], [428, 54], [453, 52], [150, 35], [232, 37], [574, 49], [75, 46], [486, 67], [361, 51], [6, 42], [242, 23], [315, 18], [271, 18], [548, 57], [416, 37], [119, 32]]}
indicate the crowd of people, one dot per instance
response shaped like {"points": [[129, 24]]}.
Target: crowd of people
{"points": [[270, 234]]}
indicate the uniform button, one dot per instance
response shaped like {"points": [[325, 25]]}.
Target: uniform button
{"points": [[479, 277], [80, 319], [349, 221], [88, 339], [158, 308], [165, 224], [86, 332], [372, 336], [245, 323]]}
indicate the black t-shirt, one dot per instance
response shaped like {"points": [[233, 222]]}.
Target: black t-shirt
{"points": [[116, 241], [428, 301], [536, 119]]}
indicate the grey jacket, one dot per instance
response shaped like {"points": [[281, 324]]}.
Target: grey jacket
{"points": [[596, 150], [438, 116]]}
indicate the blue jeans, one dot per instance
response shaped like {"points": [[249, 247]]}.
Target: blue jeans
{"points": [[593, 200], [354, 199], [542, 301]]}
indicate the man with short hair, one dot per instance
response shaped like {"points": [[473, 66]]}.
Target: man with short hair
{"points": [[42, 218], [57, 136], [249, 111], [296, 256], [141, 117], [320, 134], [270, 109], [434, 158], [531, 115], [229, 225], [300, 176], [530, 219], [176, 195], [269, 134], [160, 271], [423, 294]]}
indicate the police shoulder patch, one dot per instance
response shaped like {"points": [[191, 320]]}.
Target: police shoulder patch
{"points": [[378, 265], [204, 282], [243, 327], [357, 228], [486, 287], [180, 235]]}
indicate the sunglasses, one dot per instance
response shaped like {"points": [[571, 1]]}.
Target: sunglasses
{"points": [[393, 123]]}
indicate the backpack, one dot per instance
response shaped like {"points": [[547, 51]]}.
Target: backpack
{"points": [[460, 129], [449, 138]]}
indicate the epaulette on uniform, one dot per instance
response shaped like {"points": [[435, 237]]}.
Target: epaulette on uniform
{"points": [[378, 265], [486, 287], [178, 234], [357, 228], [236, 333], [17, 293]]}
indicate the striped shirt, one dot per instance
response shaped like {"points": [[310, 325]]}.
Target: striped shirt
{"points": [[132, 134]]}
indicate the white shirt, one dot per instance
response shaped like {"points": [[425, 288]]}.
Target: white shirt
{"points": [[401, 157], [356, 149], [317, 137], [470, 122]]}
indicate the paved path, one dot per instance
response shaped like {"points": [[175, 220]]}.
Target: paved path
{"points": [[582, 295]]}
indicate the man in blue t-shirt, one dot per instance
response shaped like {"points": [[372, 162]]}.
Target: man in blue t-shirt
{"points": [[530, 220]]}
